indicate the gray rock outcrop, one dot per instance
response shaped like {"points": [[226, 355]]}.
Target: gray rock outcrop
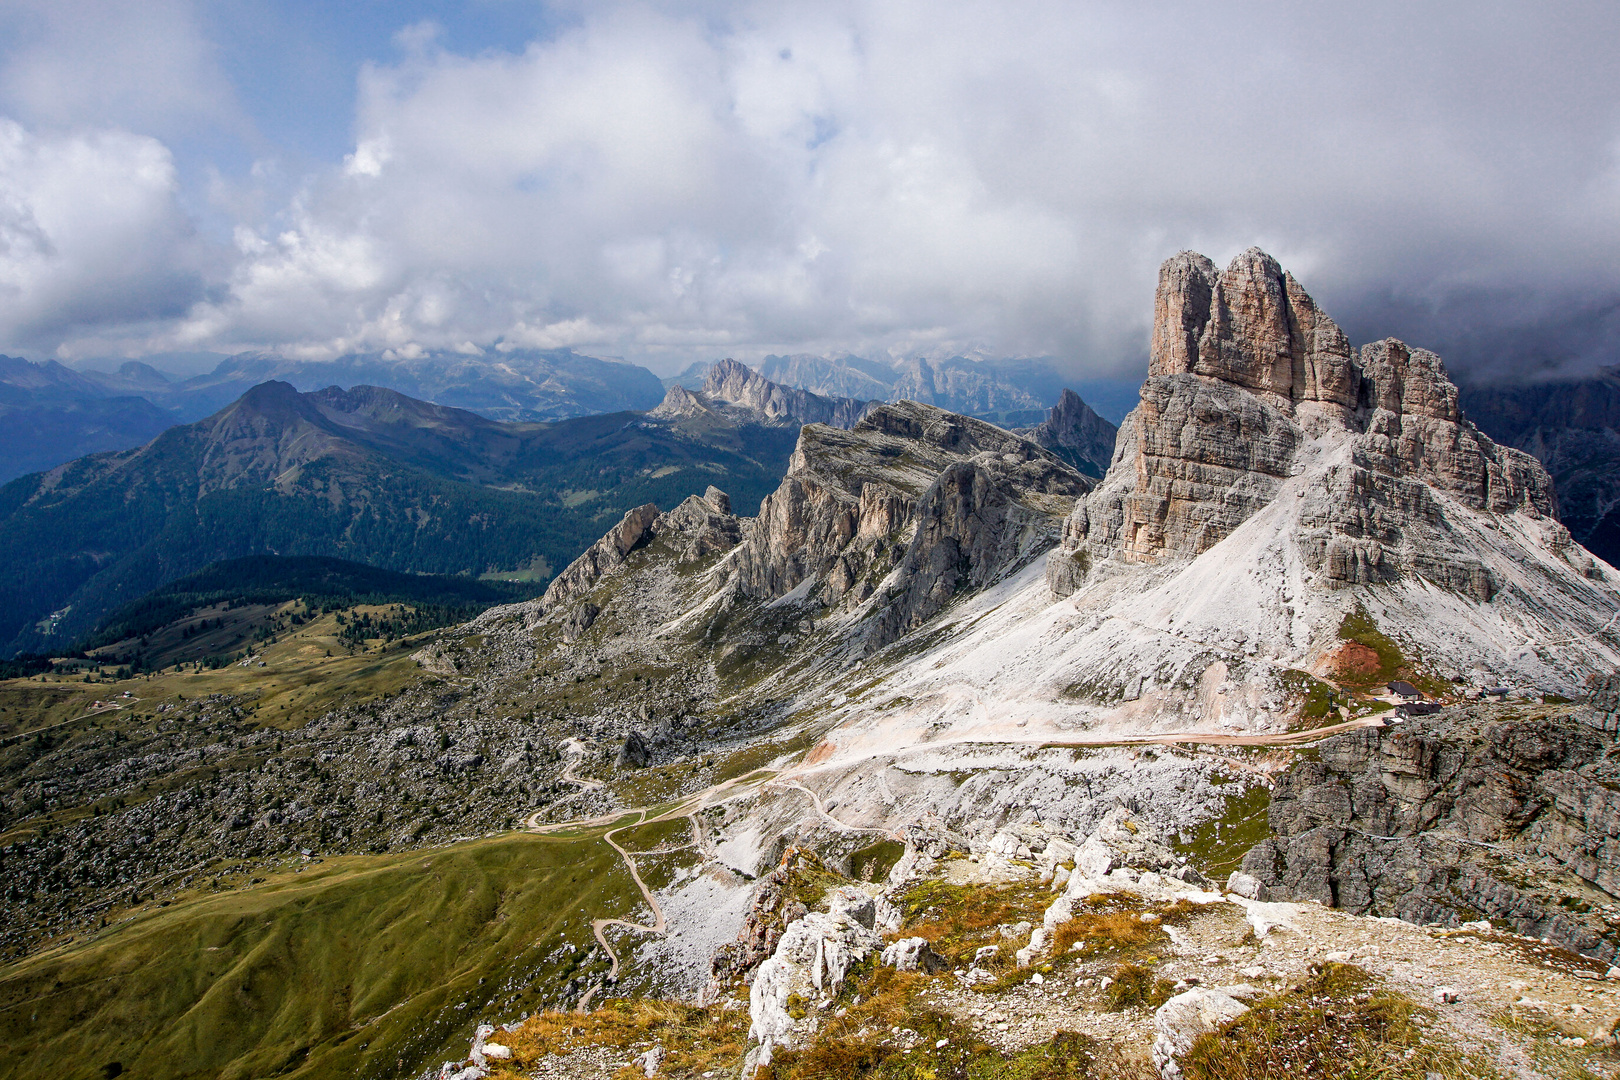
{"points": [[634, 753], [1075, 432], [1451, 818], [913, 954], [1249, 385], [602, 557], [949, 502], [1180, 1021], [699, 527]]}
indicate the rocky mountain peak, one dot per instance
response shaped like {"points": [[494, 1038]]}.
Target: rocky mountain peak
{"points": [[1251, 325], [736, 393], [1253, 388], [1075, 432], [736, 382], [913, 502], [679, 403], [729, 383]]}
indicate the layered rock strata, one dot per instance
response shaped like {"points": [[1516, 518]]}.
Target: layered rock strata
{"points": [[1250, 384], [1451, 819], [700, 526], [738, 393], [918, 501]]}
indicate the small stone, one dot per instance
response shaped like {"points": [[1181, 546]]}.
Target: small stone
{"points": [[650, 1061], [1244, 885]]}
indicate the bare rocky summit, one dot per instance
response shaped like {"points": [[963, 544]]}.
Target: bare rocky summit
{"points": [[738, 393], [940, 501], [1250, 384], [1075, 432]]}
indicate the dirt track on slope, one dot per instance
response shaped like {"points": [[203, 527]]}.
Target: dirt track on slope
{"points": [[737, 787]]}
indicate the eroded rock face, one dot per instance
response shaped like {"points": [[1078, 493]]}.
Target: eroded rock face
{"points": [[1251, 389], [1446, 819], [602, 557], [812, 958], [1077, 434], [740, 386], [700, 527], [948, 501], [696, 529]]}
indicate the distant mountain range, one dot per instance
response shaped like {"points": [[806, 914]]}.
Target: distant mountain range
{"points": [[377, 477], [50, 414], [1011, 393], [367, 474], [1071, 429], [53, 414]]}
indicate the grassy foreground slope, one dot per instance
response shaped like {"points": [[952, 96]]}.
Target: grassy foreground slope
{"points": [[356, 966]]}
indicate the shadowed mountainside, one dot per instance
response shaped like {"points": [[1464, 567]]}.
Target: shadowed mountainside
{"points": [[1573, 428]]}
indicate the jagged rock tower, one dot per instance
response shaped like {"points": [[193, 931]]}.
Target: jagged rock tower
{"points": [[1251, 384]]}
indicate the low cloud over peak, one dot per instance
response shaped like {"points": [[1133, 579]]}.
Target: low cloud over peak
{"points": [[670, 184]]}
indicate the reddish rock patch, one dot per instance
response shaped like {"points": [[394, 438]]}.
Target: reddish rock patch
{"points": [[1351, 662]]}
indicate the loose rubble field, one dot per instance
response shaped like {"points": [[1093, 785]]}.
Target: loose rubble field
{"points": [[1323, 990]]}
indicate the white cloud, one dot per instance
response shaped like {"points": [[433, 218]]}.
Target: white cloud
{"points": [[91, 235], [146, 66], [665, 181]]}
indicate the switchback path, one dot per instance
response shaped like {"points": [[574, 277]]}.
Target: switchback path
{"points": [[690, 806]]}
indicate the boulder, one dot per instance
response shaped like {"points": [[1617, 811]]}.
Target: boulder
{"points": [[914, 954], [1180, 1021], [650, 1061], [1245, 885], [811, 959], [634, 754]]}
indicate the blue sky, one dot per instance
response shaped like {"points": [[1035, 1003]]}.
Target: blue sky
{"points": [[679, 181], [294, 64]]}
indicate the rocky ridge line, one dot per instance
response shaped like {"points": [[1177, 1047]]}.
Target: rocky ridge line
{"points": [[738, 393], [913, 500], [1075, 432]]}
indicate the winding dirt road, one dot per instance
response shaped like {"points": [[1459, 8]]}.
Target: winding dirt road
{"points": [[691, 806], [688, 808]]}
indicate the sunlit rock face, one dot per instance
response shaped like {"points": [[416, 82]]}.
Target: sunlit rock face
{"points": [[1251, 384]]}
